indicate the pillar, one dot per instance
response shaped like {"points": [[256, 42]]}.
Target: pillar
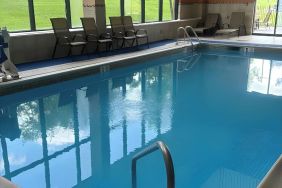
{"points": [[96, 9]]}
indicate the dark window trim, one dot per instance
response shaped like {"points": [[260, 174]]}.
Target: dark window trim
{"points": [[122, 12], [31, 15], [68, 12], [161, 3]]}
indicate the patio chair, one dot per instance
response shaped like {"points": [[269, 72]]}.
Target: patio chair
{"points": [[64, 36], [139, 33], [210, 26], [266, 19], [236, 25], [118, 32], [92, 34]]}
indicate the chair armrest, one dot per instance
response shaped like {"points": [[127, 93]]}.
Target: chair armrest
{"points": [[225, 25], [77, 36], [119, 34], [105, 36], [63, 39], [92, 36], [129, 32], [141, 30]]}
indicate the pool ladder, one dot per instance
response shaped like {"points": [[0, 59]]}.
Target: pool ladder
{"points": [[167, 159], [186, 36]]}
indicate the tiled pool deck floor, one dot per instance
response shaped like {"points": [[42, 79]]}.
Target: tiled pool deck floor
{"points": [[71, 65]]}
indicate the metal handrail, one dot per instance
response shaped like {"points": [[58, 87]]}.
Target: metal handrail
{"points": [[185, 34], [167, 158], [195, 34]]}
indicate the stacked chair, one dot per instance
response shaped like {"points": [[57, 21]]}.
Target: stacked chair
{"points": [[123, 30], [119, 33], [92, 34], [64, 36], [139, 33], [236, 25]]}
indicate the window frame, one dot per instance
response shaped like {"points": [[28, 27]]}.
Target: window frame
{"points": [[122, 13]]}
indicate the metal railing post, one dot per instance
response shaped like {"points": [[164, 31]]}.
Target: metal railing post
{"points": [[167, 159]]}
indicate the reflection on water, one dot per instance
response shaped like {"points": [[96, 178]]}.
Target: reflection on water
{"points": [[265, 76], [98, 124], [83, 133]]}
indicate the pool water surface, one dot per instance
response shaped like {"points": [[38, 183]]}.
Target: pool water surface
{"points": [[219, 112]]}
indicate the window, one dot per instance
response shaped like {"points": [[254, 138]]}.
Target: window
{"points": [[168, 9], [46, 9], [152, 11], [76, 12], [112, 9], [133, 8], [14, 15]]}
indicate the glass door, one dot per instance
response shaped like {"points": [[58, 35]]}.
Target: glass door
{"points": [[279, 18], [265, 17]]}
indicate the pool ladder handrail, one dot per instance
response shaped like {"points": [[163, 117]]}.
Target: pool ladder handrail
{"points": [[186, 36], [193, 31], [159, 145]]}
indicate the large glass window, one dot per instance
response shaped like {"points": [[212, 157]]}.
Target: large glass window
{"points": [[133, 8], [14, 15], [168, 9], [76, 12], [46, 9], [112, 9], [152, 10]]}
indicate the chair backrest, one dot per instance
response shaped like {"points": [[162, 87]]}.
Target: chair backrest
{"points": [[60, 27], [237, 19], [127, 23], [89, 26], [211, 20], [117, 24]]}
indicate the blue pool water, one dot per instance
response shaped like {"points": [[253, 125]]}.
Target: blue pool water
{"points": [[219, 112]]}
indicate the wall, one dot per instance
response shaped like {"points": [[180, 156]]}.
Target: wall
{"points": [[36, 46]]}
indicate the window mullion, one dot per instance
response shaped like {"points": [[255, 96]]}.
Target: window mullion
{"points": [[31, 15], [122, 7], [176, 5], [68, 12], [161, 10], [142, 11]]}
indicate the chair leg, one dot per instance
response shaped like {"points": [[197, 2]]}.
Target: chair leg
{"points": [[123, 43], [70, 50], [97, 47], [111, 46], [82, 50], [132, 42], [148, 42], [55, 48], [137, 43]]}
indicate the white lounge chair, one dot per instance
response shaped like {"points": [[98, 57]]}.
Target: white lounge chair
{"points": [[236, 25], [211, 23]]}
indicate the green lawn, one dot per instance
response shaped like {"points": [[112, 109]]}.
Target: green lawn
{"points": [[14, 14]]}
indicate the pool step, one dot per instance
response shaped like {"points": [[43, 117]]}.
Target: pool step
{"points": [[273, 178]]}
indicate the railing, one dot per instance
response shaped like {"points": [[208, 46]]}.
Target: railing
{"points": [[186, 36], [195, 34], [167, 159]]}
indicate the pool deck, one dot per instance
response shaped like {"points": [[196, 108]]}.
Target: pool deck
{"points": [[52, 71], [246, 41], [57, 70]]}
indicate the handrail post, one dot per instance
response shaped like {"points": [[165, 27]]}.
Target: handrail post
{"points": [[167, 158]]}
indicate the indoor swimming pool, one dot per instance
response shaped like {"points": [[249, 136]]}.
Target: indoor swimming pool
{"points": [[218, 110]]}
